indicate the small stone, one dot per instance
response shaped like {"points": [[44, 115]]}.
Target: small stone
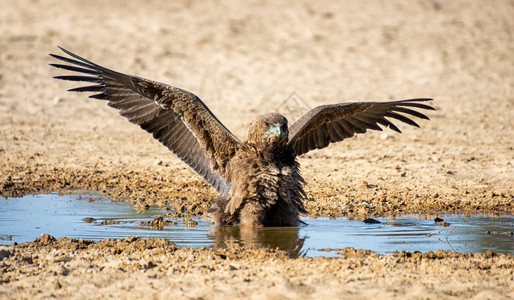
{"points": [[6, 253], [57, 285], [444, 224], [371, 221], [149, 264], [89, 219], [188, 222], [57, 99], [141, 207]]}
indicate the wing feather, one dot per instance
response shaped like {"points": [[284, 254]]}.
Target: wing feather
{"points": [[368, 122], [175, 117], [358, 126], [342, 132], [401, 118], [333, 123], [332, 132]]}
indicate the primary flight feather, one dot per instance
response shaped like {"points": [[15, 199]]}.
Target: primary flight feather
{"points": [[258, 181]]}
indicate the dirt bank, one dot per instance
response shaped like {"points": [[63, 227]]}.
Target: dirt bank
{"points": [[141, 268]]}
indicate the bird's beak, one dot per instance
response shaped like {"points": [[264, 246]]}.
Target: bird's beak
{"points": [[275, 130]]}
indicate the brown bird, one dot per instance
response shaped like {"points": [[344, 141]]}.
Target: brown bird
{"points": [[258, 181]]}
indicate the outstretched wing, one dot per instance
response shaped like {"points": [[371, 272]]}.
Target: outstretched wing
{"points": [[333, 123], [175, 117]]}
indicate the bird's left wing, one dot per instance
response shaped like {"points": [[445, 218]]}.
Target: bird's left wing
{"points": [[175, 117], [333, 123]]}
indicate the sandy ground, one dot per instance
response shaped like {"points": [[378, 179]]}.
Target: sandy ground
{"points": [[244, 60], [155, 268]]}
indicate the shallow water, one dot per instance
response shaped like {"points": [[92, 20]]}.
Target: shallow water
{"points": [[24, 219]]}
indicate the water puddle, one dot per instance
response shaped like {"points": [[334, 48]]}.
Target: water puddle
{"points": [[24, 219]]}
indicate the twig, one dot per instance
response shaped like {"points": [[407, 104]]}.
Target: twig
{"points": [[430, 235]]}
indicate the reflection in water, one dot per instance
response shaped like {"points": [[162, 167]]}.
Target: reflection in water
{"points": [[283, 238]]}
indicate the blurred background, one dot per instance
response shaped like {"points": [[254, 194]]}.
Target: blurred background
{"points": [[245, 58]]}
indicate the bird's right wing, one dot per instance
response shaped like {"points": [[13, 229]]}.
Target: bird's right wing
{"points": [[175, 117]]}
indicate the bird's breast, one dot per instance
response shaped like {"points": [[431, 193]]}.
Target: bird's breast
{"points": [[280, 170]]}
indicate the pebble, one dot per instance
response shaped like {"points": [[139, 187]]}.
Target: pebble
{"points": [[57, 99], [371, 221], [6, 253], [57, 285], [89, 219]]}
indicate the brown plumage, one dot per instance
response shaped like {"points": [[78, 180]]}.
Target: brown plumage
{"points": [[258, 181]]}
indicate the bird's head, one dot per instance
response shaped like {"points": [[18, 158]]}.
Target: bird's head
{"points": [[268, 130]]}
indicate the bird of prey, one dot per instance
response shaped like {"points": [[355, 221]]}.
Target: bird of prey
{"points": [[258, 181]]}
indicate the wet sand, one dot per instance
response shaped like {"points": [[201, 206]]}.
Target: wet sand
{"points": [[143, 268], [245, 60]]}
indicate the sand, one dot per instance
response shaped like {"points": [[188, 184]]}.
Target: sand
{"points": [[244, 60]]}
